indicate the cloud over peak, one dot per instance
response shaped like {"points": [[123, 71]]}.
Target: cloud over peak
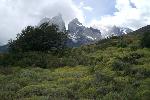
{"points": [[17, 14], [130, 13]]}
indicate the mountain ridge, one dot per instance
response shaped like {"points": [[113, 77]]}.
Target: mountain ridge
{"points": [[80, 34], [56, 20], [82, 39]]}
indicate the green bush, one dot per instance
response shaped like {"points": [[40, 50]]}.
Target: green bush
{"points": [[132, 57], [120, 66], [122, 44], [42, 38], [45, 90], [145, 41], [7, 95]]}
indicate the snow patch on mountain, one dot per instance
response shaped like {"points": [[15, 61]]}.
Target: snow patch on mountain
{"points": [[91, 38], [108, 31], [77, 31], [79, 34]]}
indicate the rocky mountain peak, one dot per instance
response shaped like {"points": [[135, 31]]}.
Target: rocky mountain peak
{"points": [[80, 34], [58, 17], [108, 31], [56, 20], [44, 20], [75, 25], [76, 21]]}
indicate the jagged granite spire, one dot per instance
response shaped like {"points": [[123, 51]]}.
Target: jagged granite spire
{"points": [[108, 31], [80, 34], [57, 20]]}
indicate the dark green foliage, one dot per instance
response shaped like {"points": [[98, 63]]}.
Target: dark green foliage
{"points": [[145, 41], [42, 38], [120, 66], [132, 58], [122, 43], [9, 59]]}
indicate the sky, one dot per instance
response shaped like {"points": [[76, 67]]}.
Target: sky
{"points": [[15, 15]]}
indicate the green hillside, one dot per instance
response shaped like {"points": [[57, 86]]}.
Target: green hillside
{"points": [[117, 68]]}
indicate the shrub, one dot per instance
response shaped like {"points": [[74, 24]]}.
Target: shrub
{"points": [[145, 41], [7, 95], [122, 44], [43, 38], [45, 90], [144, 90], [132, 57], [120, 66]]}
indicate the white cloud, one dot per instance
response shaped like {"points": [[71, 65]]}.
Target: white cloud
{"points": [[16, 14], [127, 15], [83, 6], [88, 8]]}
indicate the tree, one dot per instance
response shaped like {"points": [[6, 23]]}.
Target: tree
{"points": [[145, 41], [43, 38]]}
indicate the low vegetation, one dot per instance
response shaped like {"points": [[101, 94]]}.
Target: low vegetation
{"points": [[117, 68]]}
